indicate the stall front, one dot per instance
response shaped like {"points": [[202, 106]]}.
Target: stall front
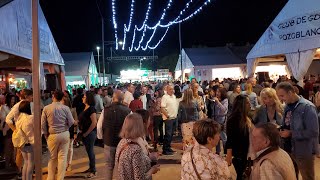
{"points": [[210, 63], [16, 45], [291, 40], [80, 69]]}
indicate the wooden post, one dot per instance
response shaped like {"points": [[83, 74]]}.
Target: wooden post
{"points": [[36, 89]]}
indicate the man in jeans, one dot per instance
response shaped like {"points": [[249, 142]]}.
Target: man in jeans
{"points": [[300, 129], [55, 123], [169, 110], [111, 121]]}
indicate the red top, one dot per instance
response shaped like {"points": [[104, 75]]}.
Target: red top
{"points": [[136, 104]]}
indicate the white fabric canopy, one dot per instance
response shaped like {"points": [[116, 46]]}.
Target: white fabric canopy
{"points": [[300, 62], [296, 29], [16, 33]]}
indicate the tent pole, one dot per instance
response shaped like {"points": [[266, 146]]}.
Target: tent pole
{"points": [[103, 63], [180, 52], [36, 88]]}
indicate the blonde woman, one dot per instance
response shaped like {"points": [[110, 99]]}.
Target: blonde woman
{"points": [[188, 113], [198, 99], [271, 109], [251, 95]]}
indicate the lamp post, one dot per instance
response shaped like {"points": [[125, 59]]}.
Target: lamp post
{"points": [[98, 49], [111, 50]]}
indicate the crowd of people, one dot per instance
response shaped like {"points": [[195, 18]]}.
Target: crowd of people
{"points": [[266, 130]]}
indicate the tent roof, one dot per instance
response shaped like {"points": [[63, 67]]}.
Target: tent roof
{"points": [[16, 33], [214, 56], [77, 64], [287, 33]]}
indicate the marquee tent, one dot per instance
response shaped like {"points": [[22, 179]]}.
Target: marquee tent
{"points": [[16, 42], [210, 63], [80, 68], [293, 37]]}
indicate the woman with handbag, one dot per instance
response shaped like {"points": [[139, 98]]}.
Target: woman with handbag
{"points": [[238, 129], [188, 113], [24, 124], [132, 160], [200, 162]]}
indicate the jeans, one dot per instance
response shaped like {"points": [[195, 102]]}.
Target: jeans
{"points": [[158, 127], [88, 142], [306, 167], [109, 153], [27, 154], [58, 146], [168, 134]]}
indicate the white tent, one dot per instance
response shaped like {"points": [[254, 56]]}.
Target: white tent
{"points": [[294, 35], [80, 68], [16, 40], [210, 63]]}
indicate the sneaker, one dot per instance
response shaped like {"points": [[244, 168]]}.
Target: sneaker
{"points": [[19, 176], [69, 168], [172, 151], [87, 171], [167, 153], [92, 175]]}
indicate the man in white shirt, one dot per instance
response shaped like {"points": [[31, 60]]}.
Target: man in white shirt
{"points": [[169, 110], [128, 95]]}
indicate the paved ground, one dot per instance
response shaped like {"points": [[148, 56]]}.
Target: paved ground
{"points": [[170, 165]]}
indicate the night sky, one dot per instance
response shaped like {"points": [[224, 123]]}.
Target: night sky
{"points": [[76, 24]]}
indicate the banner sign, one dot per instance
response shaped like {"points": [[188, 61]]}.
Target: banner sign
{"points": [[296, 28]]}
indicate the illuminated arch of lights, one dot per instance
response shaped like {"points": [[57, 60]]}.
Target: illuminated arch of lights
{"points": [[142, 41]]}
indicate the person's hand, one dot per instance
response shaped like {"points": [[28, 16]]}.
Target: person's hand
{"points": [[154, 156], [229, 160], [285, 133], [84, 134], [75, 136], [215, 99], [154, 169]]}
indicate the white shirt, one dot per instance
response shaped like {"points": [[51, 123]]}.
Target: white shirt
{"points": [[128, 97], [169, 103], [13, 114], [144, 101], [99, 126], [4, 111], [25, 122]]}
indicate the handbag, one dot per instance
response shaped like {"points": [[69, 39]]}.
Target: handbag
{"points": [[194, 166], [19, 138]]}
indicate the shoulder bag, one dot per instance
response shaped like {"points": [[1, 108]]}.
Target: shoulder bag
{"points": [[194, 166]]}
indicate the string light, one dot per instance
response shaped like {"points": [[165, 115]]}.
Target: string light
{"points": [[129, 26], [139, 29], [146, 27], [115, 26]]}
